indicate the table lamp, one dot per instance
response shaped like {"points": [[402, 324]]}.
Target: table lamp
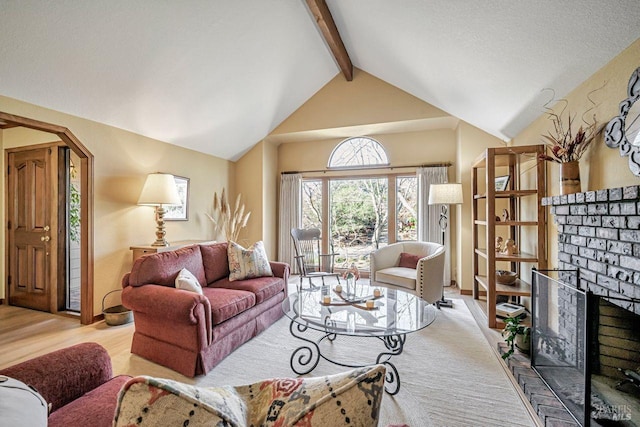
{"points": [[445, 194], [159, 190]]}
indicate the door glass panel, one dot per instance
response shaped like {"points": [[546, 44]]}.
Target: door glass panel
{"points": [[73, 165], [358, 217], [312, 204], [407, 208]]}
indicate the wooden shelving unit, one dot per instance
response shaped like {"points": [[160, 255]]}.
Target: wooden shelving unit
{"points": [[523, 201]]}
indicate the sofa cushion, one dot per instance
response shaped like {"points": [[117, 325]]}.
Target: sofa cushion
{"points": [[94, 409], [21, 405], [226, 303], [263, 287], [214, 258], [409, 260], [247, 263], [187, 281], [350, 398], [399, 276], [162, 268]]}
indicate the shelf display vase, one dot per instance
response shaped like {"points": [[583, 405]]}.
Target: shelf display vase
{"points": [[570, 177]]}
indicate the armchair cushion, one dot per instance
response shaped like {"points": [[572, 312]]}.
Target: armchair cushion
{"points": [[403, 277], [349, 398], [247, 263], [409, 260]]}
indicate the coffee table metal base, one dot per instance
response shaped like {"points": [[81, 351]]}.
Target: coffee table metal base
{"points": [[305, 358]]}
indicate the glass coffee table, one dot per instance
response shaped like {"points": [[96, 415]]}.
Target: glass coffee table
{"points": [[394, 314]]}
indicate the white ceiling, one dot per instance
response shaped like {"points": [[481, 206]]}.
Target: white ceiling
{"points": [[218, 75]]}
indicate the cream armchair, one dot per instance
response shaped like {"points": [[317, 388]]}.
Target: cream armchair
{"points": [[426, 280]]}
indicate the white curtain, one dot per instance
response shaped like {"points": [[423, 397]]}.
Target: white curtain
{"points": [[428, 226], [290, 215]]}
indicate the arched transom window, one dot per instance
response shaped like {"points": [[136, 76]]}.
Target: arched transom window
{"points": [[358, 152]]}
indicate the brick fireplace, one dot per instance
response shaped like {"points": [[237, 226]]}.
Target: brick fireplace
{"points": [[599, 233], [587, 323]]}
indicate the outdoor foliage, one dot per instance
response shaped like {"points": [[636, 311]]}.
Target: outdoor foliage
{"points": [[359, 214], [74, 213]]}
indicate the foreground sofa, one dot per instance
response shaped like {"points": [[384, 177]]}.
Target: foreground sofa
{"points": [[76, 381], [189, 332]]}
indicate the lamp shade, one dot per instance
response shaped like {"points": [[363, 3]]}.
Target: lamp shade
{"points": [[159, 189], [445, 194]]}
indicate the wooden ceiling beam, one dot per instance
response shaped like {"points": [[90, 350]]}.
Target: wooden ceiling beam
{"points": [[327, 26]]}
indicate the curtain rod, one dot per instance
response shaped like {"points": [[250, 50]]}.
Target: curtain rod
{"points": [[424, 165]]}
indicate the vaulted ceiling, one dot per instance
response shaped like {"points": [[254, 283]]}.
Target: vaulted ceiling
{"points": [[218, 76]]}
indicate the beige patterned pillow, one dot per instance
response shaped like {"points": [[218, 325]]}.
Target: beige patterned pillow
{"points": [[247, 263]]}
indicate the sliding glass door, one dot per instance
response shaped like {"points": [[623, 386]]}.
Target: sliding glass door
{"points": [[360, 214]]}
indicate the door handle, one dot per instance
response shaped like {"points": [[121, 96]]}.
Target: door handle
{"points": [[45, 238], [46, 228]]}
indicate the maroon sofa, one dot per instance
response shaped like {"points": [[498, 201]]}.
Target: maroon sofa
{"points": [[188, 332], [77, 382]]}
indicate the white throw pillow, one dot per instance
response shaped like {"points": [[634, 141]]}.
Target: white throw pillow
{"points": [[187, 281], [20, 405]]}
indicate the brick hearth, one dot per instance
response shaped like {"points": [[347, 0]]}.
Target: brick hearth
{"points": [[549, 409]]}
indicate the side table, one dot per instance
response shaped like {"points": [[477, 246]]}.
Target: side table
{"points": [[141, 250]]}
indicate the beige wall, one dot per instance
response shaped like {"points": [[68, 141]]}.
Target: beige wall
{"points": [[270, 199], [364, 100], [256, 179], [249, 182], [470, 143], [122, 161], [602, 167]]}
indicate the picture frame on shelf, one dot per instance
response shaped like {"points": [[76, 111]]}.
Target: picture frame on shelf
{"points": [[502, 182], [179, 212]]}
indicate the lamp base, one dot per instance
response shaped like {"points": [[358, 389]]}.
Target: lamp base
{"points": [[160, 232], [444, 303]]}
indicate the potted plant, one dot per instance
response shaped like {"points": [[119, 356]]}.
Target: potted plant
{"points": [[516, 335]]}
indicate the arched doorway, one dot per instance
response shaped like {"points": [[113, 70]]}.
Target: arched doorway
{"points": [[86, 203]]}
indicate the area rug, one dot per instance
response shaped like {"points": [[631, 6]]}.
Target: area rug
{"points": [[449, 375]]}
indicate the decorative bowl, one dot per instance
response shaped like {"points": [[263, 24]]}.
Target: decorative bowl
{"points": [[505, 277]]}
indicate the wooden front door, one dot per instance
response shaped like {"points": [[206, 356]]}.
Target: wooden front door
{"points": [[32, 222]]}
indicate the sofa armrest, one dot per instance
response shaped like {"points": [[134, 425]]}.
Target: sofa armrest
{"points": [[64, 375], [125, 280], [181, 307], [280, 269], [164, 301]]}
